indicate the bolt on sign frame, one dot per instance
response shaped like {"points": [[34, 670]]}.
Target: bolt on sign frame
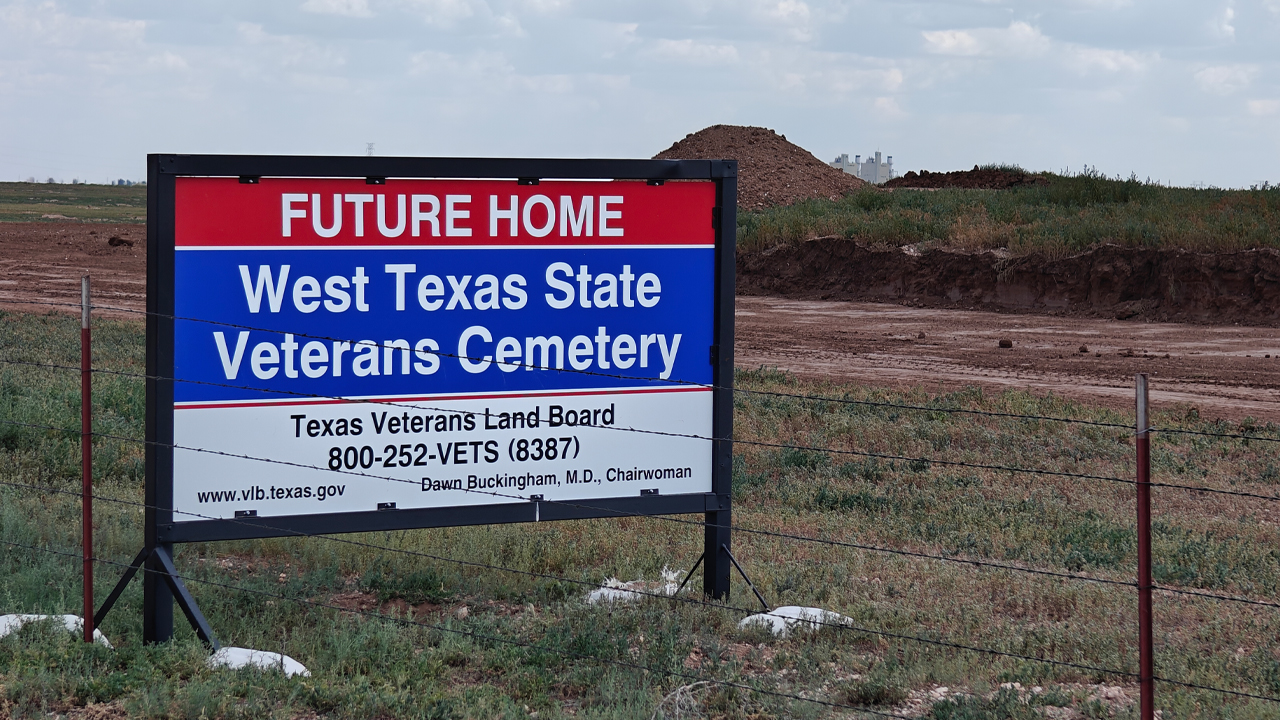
{"points": [[463, 426]]}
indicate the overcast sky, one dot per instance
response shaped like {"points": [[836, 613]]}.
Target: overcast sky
{"points": [[1183, 91]]}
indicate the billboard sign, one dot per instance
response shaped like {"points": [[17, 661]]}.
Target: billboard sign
{"points": [[364, 343]]}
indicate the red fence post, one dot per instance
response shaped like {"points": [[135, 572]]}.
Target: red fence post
{"points": [[86, 457], [1146, 663]]}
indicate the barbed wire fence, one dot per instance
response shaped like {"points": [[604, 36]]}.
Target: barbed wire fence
{"points": [[1146, 676]]}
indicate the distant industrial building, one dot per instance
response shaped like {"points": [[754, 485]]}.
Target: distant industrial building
{"points": [[873, 171]]}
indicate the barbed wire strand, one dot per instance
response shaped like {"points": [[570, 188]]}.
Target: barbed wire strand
{"points": [[509, 363], [1211, 688], [814, 398], [1213, 596], [617, 513], [584, 583], [480, 636], [1174, 431], [420, 406], [690, 436], [563, 653]]}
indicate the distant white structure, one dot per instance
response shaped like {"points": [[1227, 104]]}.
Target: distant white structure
{"points": [[873, 171]]}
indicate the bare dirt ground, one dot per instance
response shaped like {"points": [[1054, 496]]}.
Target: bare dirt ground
{"points": [[1223, 370], [45, 261]]}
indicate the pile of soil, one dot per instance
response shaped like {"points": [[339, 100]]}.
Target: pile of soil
{"points": [[1108, 281], [771, 171], [975, 179]]}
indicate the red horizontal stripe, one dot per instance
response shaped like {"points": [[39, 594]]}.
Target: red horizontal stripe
{"points": [[437, 398], [222, 212]]}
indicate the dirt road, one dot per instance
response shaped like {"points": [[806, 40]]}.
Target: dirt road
{"points": [[1223, 370]]}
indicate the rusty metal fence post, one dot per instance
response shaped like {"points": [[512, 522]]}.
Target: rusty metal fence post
{"points": [[1142, 444], [86, 456]]}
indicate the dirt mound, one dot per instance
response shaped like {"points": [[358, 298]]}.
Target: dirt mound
{"points": [[975, 179], [1109, 281], [771, 171]]}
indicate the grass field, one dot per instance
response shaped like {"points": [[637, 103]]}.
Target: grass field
{"points": [[532, 645], [22, 202], [1070, 214]]}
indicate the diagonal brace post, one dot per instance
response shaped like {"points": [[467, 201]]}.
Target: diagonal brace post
{"points": [[734, 560], [693, 570], [184, 599], [101, 615]]}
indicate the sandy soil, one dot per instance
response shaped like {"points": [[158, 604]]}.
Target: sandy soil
{"points": [[1222, 370]]}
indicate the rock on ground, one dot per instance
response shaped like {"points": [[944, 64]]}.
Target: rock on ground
{"points": [[784, 620], [73, 623], [234, 658]]}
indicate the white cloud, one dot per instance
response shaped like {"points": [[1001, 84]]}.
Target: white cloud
{"points": [[290, 51], [546, 6], [44, 24], [1085, 59], [694, 52], [607, 78], [790, 11], [1020, 39], [794, 17], [792, 82], [1262, 108], [887, 108], [347, 8], [952, 42], [847, 80], [438, 64], [1103, 4], [491, 70], [446, 13], [1222, 23], [167, 61], [615, 38], [1225, 79]]}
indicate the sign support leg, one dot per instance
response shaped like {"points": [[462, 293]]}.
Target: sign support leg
{"points": [[179, 592], [716, 565], [157, 600]]}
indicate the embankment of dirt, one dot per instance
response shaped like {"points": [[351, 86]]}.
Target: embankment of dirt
{"points": [[975, 179], [1109, 281]]}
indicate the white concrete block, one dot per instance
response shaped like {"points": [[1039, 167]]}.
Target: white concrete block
{"points": [[73, 623], [234, 658]]}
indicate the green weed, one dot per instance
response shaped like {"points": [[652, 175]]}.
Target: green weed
{"points": [[37, 202], [557, 658], [1072, 213]]}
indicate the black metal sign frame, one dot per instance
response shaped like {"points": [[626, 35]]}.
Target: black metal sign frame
{"points": [[161, 584]]}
